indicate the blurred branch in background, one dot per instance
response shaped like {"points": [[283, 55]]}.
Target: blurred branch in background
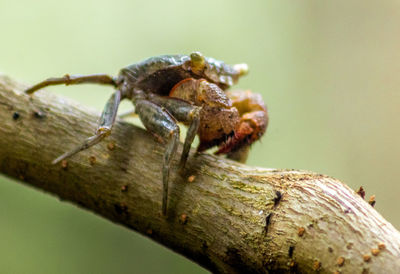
{"points": [[225, 216]]}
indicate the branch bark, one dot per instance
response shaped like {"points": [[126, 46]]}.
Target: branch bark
{"points": [[225, 216]]}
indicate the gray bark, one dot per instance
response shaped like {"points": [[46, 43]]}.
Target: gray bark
{"points": [[225, 216]]}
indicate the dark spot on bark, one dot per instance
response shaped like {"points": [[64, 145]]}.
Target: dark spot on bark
{"points": [[96, 203], [120, 208], [16, 115], [291, 250], [204, 246], [234, 259], [39, 114], [365, 271], [21, 169], [330, 249], [81, 203], [277, 198], [203, 259], [183, 219], [267, 222]]}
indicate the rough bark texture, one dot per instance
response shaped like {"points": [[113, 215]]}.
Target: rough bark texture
{"points": [[227, 217]]}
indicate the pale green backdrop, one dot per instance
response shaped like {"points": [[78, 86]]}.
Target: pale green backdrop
{"points": [[328, 70]]}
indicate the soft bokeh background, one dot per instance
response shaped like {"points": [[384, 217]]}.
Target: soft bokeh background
{"points": [[328, 70]]}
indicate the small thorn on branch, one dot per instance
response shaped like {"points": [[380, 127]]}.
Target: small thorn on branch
{"points": [[361, 192], [372, 200]]}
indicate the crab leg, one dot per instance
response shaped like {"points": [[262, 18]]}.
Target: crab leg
{"points": [[160, 122], [184, 112], [103, 79], [106, 122]]}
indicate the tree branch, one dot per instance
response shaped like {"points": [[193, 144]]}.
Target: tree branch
{"points": [[223, 215]]}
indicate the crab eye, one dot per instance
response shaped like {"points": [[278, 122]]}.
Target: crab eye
{"points": [[197, 60]]}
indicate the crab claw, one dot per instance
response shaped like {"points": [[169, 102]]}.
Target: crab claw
{"points": [[218, 118], [251, 127], [217, 125], [253, 121]]}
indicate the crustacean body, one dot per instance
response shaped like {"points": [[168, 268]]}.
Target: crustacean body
{"points": [[180, 88]]}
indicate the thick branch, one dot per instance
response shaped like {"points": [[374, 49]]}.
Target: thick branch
{"points": [[227, 217]]}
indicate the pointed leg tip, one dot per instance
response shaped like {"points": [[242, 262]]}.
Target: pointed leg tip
{"points": [[28, 91], [56, 161]]}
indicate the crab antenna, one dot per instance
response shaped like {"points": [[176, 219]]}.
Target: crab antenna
{"points": [[242, 69]]}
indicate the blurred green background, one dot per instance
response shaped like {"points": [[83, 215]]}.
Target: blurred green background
{"points": [[328, 70]]}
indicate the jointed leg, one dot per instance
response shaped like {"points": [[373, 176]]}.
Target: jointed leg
{"points": [[194, 117], [103, 79], [103, 130], [183, 112], [159, 122]]}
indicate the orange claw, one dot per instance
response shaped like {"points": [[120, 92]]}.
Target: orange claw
{"points": [[218, 118], [253, 121]]}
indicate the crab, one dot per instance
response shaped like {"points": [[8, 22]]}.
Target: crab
{"points": [[189, 89]]}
